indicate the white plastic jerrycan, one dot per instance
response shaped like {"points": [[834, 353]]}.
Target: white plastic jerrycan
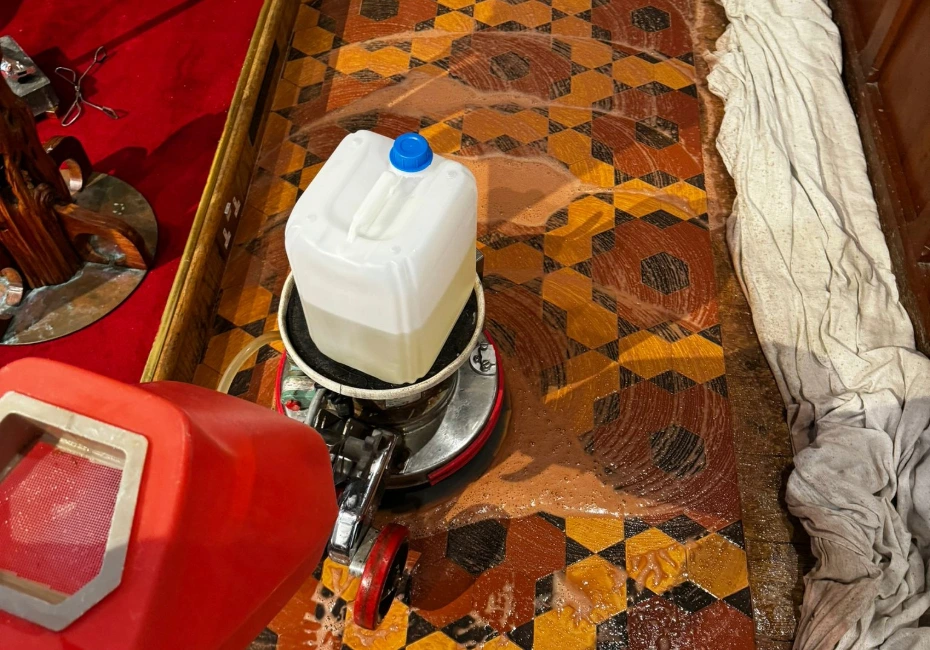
{"points": [[382, 247]]}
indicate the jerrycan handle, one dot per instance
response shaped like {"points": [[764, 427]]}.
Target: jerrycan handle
{"points": [[373, 204], [410, 153]]}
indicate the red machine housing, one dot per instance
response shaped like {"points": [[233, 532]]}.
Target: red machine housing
{"points": [[235, 507]]}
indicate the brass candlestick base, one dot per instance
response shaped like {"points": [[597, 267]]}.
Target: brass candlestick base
{"points": [[96, 289]]}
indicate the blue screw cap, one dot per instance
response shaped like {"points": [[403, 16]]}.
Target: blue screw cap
{"points": [[411, 153]]}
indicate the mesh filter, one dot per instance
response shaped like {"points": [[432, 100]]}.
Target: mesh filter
{"points": [[58, 508], [68, 491]]}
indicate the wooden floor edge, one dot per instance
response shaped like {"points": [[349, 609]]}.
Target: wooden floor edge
{"points": [[257, 54]]}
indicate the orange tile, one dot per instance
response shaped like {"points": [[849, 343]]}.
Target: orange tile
{"points": [[569, 146], [587, 88], [285, 95], [595, 533], [693, 197], [563, 630], [493, 12], [533, 14], [456, 4], [246, 306], [571, 6], [432, 47], [569, 116], [435, 641], [592, 325], [271, 195], [389, 61], [313, 40], [717, 565], [594, 172], [591, 54], [304, 72], [306, 17], [655, 560], [287, 158], [390, 635], [697, 358], [571, 26], [597, 589], [223, 347], [308, 174], [673, 73], [566, 288], [442, 137], [206, 376], [455, 22], [645, 354], [518, 263], [338, 580], [633, 71]]}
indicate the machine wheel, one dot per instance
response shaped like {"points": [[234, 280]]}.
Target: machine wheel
{"points": [[381, 576]]}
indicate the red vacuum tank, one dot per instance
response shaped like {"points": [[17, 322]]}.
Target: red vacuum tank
{"points": [[150, 517]]}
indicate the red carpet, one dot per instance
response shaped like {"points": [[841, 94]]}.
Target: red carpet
{"points": [[172, 70]]}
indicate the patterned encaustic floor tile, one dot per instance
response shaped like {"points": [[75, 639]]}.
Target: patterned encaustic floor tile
{"points": [[610, 515]]}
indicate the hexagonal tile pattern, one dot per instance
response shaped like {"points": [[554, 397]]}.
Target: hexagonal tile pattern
{"points": [[581, 123]]}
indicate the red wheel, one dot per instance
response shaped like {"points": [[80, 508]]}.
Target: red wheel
{"points": [[381, 576]]}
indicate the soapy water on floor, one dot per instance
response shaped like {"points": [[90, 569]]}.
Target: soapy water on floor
{"points": [[543, 463], [552, 458]]}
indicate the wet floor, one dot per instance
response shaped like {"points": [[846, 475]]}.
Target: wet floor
{"points": [[609, 516]]}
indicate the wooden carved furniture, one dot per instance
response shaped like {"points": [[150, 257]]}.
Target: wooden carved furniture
{"points": [[887, 48], [62, 227], [45, 233]]}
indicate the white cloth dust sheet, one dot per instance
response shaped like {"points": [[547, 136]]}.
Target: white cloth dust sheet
{"points": [[809, 252]]}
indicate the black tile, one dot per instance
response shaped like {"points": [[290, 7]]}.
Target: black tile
{"points": [[610, 350], [651, 19], [615, 554], [734, 533], [661, 219], [603, 242], [672, 382], [267, 640], [633, 526], [635, 593], [241, 382], [689, 597], [575, 552], [469, 632], [558, 522], [741, 601], [543, 597], [554, 317], [523, 636], [379, 10], [418, 627], [606, 409], [612, 633], [665, 273], [683, 529]]}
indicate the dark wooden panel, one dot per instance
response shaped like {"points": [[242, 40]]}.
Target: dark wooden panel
{"points": [[868, 12], [906, 96], [905, 234]]}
